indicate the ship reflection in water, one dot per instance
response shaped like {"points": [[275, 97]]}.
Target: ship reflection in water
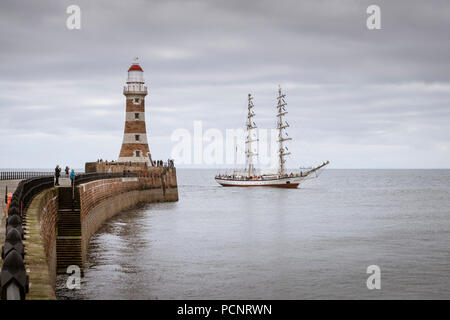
{"points": [[265, 243]]}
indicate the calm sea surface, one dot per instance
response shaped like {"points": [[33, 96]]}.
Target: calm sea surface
{"points": [[264, 243]]}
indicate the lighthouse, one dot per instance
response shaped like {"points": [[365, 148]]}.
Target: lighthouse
{"points": [[135, 145]]}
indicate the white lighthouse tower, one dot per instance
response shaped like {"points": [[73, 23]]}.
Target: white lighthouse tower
{"points": [[135, 145]]}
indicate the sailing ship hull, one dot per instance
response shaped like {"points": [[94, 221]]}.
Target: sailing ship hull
{"points": [[288, 182]]}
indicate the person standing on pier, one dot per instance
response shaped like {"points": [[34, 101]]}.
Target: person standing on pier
{"points": [[57, 174], [67, 171], [72, 177]]}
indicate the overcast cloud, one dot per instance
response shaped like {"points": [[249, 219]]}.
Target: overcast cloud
{"points": [[360, 98]]}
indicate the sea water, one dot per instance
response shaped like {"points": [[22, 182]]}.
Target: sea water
{"points": [[315, 242]]}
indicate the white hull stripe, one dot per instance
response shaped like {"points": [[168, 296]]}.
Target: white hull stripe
{"points": [[295, 180]]}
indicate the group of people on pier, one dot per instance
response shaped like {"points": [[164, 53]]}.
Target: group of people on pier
{"points": [[157, 163], [71, 175], [160, 163]]}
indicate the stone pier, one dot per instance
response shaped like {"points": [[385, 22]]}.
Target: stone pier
{"points": [[59, 227]]}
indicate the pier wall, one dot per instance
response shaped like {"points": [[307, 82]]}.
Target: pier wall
{"points": [[102, 199], [115, 167], [99, 200]]}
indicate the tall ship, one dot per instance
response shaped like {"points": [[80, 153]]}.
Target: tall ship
{"points": [[281, 179]]}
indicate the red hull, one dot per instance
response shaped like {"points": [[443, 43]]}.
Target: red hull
{"points": [[286, 185]]}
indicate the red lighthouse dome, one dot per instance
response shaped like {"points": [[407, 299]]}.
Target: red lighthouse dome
{"points": [[135, 67]]}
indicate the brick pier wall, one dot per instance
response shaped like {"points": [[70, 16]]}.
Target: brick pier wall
{"points": [[102, 199]]}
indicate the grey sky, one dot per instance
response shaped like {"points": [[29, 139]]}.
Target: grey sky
{"points": [[360, 98]]}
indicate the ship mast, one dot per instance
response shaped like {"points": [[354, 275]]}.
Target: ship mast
{"points": [[250, 126], [281, 126]]}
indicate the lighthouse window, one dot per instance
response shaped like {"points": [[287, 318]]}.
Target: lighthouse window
{"points": [[136, 115], [138, 153], [137, 137], [136, 101]]}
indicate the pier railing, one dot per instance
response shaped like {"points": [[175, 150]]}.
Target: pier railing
{"points": [[20, 175], [13, 278]]}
